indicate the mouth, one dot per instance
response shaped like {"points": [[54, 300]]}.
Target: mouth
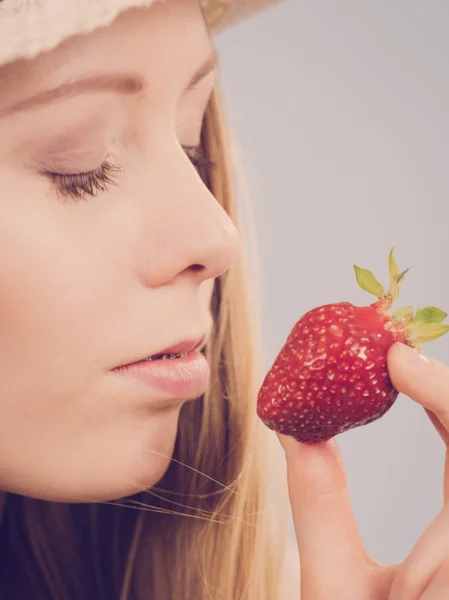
{"points": [[164, 357], [178, 350]]}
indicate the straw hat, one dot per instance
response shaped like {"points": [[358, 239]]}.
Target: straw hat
{"points": [[28, 27]]}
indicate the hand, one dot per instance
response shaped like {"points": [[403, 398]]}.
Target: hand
{"points": [[333, 561]]}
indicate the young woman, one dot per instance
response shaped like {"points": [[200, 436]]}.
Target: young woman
{"points": [[119, 242]]}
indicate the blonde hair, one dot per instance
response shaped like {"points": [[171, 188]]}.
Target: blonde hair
{"points": [[208, 530]]}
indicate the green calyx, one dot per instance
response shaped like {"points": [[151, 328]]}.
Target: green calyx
{"points": [[424, 325]]}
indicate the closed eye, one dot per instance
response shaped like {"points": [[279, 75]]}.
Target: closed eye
{"points": [[80, 186]]}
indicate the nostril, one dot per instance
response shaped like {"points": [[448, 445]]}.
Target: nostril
{"points": [[197, 268]]}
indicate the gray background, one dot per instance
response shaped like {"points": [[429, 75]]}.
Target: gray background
{"points": [[341, 113]]}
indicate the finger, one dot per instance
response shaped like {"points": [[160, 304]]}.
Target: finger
{"points": [[329, 543], [446, 477], [423, 379], [438, 588], [443, 432], [421, 565]]}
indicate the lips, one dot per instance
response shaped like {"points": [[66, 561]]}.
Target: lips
{"points": [[184, 347]]}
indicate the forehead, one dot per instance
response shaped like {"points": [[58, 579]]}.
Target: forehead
{"points": [[169, 38]]}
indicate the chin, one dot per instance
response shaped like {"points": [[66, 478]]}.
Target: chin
{"points": [[144, 478], [112, 468], [105, 487]]}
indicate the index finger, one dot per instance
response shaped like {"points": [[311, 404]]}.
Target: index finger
{"points": [[330, 548]]}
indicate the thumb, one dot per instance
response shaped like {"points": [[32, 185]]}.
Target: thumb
{"points": [[423, 379], [329, 543]]}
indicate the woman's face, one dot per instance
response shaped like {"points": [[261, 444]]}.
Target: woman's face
{"points": [[91, 282]]}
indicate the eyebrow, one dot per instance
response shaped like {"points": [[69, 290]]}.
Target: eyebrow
{"points": [[120, 83]]}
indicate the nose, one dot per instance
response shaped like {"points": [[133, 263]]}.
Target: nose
{"points": [[186, 230]]}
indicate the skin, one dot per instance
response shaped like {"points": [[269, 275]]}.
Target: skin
{"points": [[89, 285], [334, 563]]}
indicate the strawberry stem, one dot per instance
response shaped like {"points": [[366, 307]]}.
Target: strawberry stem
{"points": [[421, 326]]}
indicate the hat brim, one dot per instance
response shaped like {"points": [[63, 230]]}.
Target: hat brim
{"points": [[35, 26]]}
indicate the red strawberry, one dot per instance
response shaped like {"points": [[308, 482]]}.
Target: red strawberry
{"points": [[331, 375]]}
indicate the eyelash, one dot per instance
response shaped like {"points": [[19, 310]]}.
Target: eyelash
{"points": [[80, 185]]}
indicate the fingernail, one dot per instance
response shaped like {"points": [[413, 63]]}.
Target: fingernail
{"points": [[411, 357]]}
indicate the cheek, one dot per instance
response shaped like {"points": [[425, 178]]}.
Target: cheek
{"points": [[57, 283], [41, 292]]}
